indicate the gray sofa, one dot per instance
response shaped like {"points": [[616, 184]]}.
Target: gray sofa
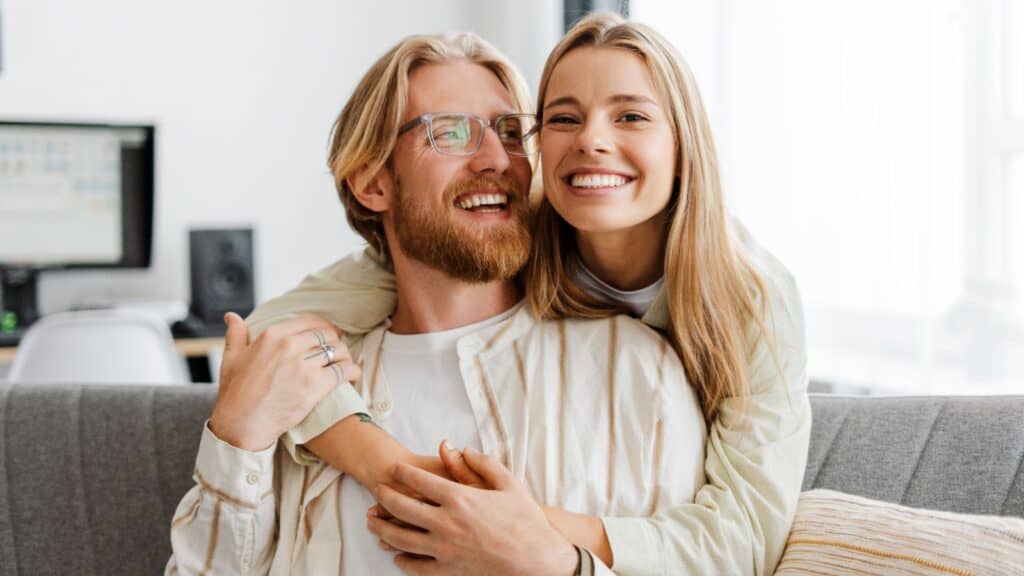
{"points": [[90, 476]]}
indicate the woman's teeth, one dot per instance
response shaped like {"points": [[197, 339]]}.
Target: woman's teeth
{"points": [[597, 180], [486, 200]]}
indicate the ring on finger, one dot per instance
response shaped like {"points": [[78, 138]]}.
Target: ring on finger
{"points": [[327, 351], [339, 373], [320, 340]]}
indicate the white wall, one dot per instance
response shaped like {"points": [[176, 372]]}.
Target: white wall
{"points": [[243, 95]]}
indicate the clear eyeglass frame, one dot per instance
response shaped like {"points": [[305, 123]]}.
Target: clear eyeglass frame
{"points": [[524, 145]]}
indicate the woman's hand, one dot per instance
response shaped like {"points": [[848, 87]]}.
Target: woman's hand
{"points": [[455, 468], [469, 530]]}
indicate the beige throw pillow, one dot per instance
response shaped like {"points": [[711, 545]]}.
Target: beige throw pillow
{"points": [[836, 533]]}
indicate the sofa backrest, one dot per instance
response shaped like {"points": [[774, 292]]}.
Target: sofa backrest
{"points": [[954, 453], [90, 475]]}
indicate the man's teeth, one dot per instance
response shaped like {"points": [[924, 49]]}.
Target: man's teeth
{"points": [[598, 180], [482, 200]]}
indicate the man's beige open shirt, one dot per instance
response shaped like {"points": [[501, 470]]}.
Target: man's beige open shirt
{"points": [[580, 411]]}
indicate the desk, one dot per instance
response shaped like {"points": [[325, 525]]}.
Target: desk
{"points": [[187, 347]]}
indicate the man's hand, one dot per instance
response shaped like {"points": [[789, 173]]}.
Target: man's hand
{"points": [[470, 530], [449, 464], [270, 385]]}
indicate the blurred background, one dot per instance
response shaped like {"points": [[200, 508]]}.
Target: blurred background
{"points": [[876, 147]]}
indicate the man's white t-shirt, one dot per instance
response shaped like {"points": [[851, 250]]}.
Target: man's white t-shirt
{"points": [[429, 404]]}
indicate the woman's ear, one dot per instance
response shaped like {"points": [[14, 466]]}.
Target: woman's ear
{"points": [[374, 191]]}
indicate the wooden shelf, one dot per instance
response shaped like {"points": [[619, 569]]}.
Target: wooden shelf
{"points": [[188, 347]]}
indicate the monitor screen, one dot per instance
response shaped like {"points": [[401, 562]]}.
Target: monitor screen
{"points": [[75, 195]]}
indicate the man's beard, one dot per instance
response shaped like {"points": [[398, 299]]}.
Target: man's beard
{"points": [[474, 253]]}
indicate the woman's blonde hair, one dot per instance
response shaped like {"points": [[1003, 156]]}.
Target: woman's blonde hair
{"points": [[364, 134], [712, 291]]}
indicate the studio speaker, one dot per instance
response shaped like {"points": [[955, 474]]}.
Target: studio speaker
{"points": [[222, 274]]}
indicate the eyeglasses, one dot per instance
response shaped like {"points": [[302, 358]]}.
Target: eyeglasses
{"points": [[461, 134]]}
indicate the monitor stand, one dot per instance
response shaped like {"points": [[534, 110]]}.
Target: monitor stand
{"points": [[19, 297]]}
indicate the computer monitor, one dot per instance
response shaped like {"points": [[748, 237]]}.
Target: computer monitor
{"points": [[71, 196]]}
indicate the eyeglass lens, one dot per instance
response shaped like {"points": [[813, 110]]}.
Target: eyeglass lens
{"points": [[462, 134]]}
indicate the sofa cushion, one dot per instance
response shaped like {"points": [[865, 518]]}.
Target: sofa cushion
{"points": [[90, 475], [838, 533], [953, 453]]}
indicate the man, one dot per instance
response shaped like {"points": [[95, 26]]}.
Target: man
{"points": [[431, 157]]}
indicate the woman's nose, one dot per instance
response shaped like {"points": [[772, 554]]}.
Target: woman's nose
{"points": [[592, 139]]}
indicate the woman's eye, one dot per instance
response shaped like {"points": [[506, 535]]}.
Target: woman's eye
{"points": [[562, 120], [633, 117]]}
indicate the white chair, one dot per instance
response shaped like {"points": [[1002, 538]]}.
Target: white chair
{"points": [[99, 346]]}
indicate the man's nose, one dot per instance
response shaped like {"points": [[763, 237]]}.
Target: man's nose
{"points": [[492, 156]]}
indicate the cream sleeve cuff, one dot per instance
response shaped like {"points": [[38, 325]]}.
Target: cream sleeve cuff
{"points": [[636, 545], [234, 475], [340, 403]]}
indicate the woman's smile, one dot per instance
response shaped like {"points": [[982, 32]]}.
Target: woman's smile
{"points": [[597, 182]]}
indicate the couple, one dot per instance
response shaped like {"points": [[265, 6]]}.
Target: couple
{"points": [[607, 444]]}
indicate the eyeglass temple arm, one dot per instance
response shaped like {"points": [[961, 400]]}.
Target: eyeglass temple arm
{"points": [[411, 124]]}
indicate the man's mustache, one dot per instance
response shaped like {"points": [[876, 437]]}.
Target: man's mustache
{"points": [[501, 184]]}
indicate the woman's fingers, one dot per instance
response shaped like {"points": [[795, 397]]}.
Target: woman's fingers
{"points": [[455, 466], [494, 474], [378, 511]]}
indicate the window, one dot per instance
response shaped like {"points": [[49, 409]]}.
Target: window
{"points": [[877, 148]]}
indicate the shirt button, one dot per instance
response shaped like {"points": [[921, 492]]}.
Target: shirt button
{"points": [[252, 478], [384, 406]]}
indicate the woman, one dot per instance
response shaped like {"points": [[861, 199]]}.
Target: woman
{"points": [[633, 220], [632, 193]]}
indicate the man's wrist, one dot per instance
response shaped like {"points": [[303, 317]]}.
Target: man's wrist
{"points": [[568, 560], [237, 438]]}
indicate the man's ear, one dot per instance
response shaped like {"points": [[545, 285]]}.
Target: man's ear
{"points": [[374, 191]]}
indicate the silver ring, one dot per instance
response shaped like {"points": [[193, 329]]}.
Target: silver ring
{"points": [[339, 373], [326, 350], [320, 340]]}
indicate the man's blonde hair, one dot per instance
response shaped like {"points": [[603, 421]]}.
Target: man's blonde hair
{"points": [[365, 132]]}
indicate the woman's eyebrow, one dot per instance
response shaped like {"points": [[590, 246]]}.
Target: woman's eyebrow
{"points": [[615, 99], [562, 101], [632, 98]]}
